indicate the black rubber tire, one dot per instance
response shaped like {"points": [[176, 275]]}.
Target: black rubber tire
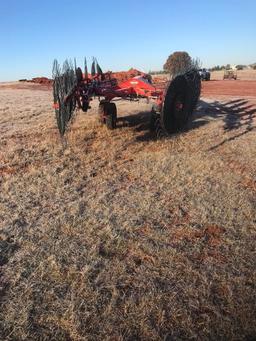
{"points": [[156, 126], [183, 91], [85, 106], [152, 122], [101, 112], [110, 112], [160, 132]]}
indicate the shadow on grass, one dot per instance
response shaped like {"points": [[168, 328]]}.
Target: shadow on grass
{"points": [[140, 122], [236, 114]]}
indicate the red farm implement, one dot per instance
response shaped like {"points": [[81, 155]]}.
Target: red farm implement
{"points": [[172, 107]]}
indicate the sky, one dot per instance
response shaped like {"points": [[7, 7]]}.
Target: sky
{"points": [[123, 33]]}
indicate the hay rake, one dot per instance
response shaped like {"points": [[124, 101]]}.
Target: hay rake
{"points": [[172, 107]]}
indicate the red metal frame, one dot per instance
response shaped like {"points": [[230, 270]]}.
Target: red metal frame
{"points": [[103, 85]]}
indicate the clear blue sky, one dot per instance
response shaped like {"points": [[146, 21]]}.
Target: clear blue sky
{"points": [[124, 33]]}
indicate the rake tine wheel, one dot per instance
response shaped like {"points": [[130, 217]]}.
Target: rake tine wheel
{"points": [[85, 69], [75, 63], [180, 101], [93, 72], [64, 82], [99, 70], [58, 96]]}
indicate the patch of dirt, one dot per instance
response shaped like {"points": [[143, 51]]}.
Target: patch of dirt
{"points": [[228, 88]]}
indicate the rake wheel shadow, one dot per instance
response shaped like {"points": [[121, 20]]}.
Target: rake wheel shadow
{"points": [[236, 115]]}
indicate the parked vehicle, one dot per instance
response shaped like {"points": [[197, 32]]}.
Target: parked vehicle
{"points": [[205, 74], [230, 74]]}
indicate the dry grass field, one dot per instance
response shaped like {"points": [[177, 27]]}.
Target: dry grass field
{"points": [[113, 235]]}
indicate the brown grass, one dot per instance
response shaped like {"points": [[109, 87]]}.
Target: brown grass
{"points": [[122, 237]]}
